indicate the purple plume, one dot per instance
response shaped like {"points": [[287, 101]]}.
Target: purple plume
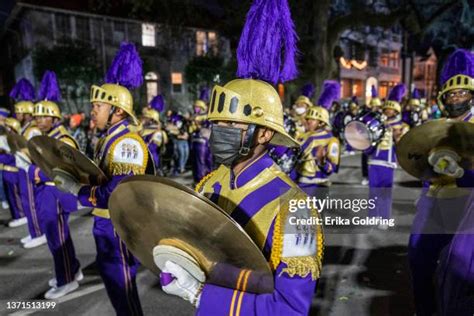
{"points": [[331, 92], [461, 62], [267, 47], [126, 69], [204, 94], [23, 91], [49, 88], [397, 92], [354, 100], [374, 92], [415, 94], [308, 90], [158, 103]]}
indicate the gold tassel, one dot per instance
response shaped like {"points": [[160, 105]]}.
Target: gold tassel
{"points": [[124, 168], [302, 266], [203, 181]]}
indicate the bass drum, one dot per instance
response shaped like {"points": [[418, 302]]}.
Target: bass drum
{"points": [[341, 119], [364, 131]]}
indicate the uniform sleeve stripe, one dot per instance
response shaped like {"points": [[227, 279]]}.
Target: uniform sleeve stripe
{"points": [[241, 294]]}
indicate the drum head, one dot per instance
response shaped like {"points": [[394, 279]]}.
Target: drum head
{"points": [[357, 135]]}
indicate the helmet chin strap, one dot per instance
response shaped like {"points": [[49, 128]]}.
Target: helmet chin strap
{"points": [[248, 141]]}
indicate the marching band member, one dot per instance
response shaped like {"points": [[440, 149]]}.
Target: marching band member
{"points": [[53, 205], [200, 132], [119, 153], [24, 93], [442, 205], [320, 149], [10, 178], [301, 106], [152, 134], [382, 159], [375, 103], [247, 116]]}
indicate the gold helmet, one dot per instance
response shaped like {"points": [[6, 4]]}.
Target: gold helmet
{"points": [[394, 105], [115, 95], [375, 102], [24, 107], [47, 108], [302, 99], [253, 102], [200, 104], [151, 114], [13, 124], [318, 113], [414, 102]]}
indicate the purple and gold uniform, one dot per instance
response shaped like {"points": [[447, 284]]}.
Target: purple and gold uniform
{"points": [[120, 153], [258, 198], [53, 208], [436, 235], [155, 139]]}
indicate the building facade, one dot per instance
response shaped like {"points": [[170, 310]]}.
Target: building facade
{"points": [[165, 52]]}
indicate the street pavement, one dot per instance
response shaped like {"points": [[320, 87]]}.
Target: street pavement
{"points": [[365, 272]]}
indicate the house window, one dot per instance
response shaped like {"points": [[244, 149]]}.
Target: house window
{"points": [[152, 88], [148, 35], [206, 43], [63, 25], [177, 82], [119, 32]]}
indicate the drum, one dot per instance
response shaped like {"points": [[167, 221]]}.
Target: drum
{"points": [[341, 119], [364, 131]]}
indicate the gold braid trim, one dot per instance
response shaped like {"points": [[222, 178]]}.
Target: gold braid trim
{"points": [[203, 181], [301, 266], [121, 168]]}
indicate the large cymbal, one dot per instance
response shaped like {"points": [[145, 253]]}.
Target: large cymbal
{"points": [[416, 145], [148, 211], [49, 153], [17, 142]]}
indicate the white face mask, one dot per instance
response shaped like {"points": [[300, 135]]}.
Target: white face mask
{"points": [[300, 110]]}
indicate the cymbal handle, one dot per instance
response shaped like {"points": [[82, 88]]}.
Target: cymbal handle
{"points": [[166, 278]]}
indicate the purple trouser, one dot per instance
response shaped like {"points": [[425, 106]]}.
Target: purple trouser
{"points": [[12, 190], [202, 160], [380, 189], [53, 208], [27, 192], [117, 267], [433, 228]]}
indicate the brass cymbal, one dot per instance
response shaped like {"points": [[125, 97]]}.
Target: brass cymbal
{"points": [[416, 145], [148, 211], [49, 153], [16, 142]]}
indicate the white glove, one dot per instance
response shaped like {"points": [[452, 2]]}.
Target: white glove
{"points": [[66, 182], [445, 161], [22, 161], [184, 285]]}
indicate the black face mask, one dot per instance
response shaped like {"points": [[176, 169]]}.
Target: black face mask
{"points": [[458, 109], [226, 144]]}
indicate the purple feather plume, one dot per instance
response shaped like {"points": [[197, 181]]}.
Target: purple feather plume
{"points": [[308, 90], [415, 94], [374, 92], [267, 47], [23, 91], [204, 94], [461, 62], [49, 88], [331, 92], [158, 103], [126, 69], [397, 92]]}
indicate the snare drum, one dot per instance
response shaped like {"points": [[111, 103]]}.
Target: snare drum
{"points": [[365, 131]]}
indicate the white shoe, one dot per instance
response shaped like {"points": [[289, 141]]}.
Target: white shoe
{"points": [[5, 205], [365, 182], [77, 277], [35, 242], [18, 222], [26, 239], [57, 292]]}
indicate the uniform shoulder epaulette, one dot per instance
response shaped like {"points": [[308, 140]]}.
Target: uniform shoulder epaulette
{"points": [[128, 154]]}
